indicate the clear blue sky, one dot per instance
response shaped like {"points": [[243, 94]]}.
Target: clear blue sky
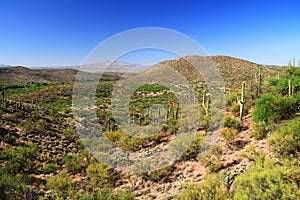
{"points": [[63, 32]]}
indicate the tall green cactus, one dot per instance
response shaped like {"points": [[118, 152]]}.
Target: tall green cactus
{"points": [[289, 65], [205, 103], [294, 62], [258, 81], [291, 88], [258, 77], [242, 101]]}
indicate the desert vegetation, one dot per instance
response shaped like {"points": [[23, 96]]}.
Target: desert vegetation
{"points": [[256, 155]]}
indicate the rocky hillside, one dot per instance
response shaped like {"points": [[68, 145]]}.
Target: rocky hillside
{"points": [[21, 75], [233, 70]]}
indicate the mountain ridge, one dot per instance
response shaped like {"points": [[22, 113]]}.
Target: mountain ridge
{"points": [[233, 70]]}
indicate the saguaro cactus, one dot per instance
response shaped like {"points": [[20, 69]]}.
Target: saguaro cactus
{"points": [[294, 62], [258, 77], [242, 101], [205, 103], [291, 88], [258, 81]]}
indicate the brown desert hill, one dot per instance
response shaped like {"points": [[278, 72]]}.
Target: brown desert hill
{"points": [[232, 70], [22, 75]]}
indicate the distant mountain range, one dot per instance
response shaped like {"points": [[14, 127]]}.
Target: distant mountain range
{"points": [[4, 66], [107, 66], [233, 70]]}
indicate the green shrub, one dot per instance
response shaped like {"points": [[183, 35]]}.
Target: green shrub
{"points": [[130, 143], [27, 125], [61, 184], [285, 140], [68, 132], [260, 130], [10, 186], [271, 107], [230, 135], [20, 159], [113, 136], [212, 159], [231, 99], [194, 148], [265, 180], [66, 158], [77, 163], [249, 152], [211, 188], [235, 108], [41, 125], [233, 123], [49, 168], [108, 194], [100, 175], [156, 175]]}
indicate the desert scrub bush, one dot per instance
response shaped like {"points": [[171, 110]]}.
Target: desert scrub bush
{"points": [[113, 136], [231, 99], [249, 152], [27, 125], [194, 148], [235, 108], [100, 175], [108, 194], [41, 125], [211, 189], [260, 130], [233, 123], [76, 163], [285, 140], [271, 107], [131, 143], [212, 159], [10, 186], [157, 175], [61, 184], [49, 168], [20, 159], [68, 132], [204, 121], [231, 136], [265, 180]]}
